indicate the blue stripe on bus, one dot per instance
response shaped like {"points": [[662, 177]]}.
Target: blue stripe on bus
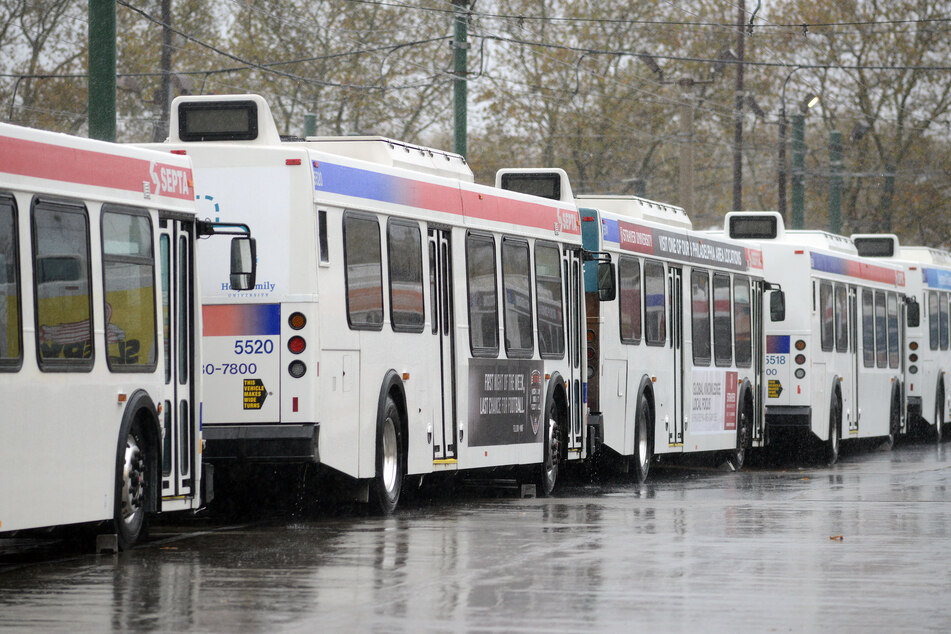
{"points": [[610, 231], [936, 278]]}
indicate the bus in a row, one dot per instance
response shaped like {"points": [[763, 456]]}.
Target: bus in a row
{"points": [[407, 321], [675, 351], [928, 350], [100, 371], [834, 367]]}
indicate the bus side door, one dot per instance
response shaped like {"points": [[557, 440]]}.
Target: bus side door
{"points": [[440, 284], [681, 398], [176, 248]]}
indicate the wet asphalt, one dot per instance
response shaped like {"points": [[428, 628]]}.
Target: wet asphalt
{"points": [[862, 546]]}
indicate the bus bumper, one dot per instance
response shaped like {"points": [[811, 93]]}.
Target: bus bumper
{"points": [[786, 416], [261, 443]]}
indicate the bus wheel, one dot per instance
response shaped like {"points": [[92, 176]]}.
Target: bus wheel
{"points": [[939, 414], [835, 424], [389, 459], [737, 457], [643, 452], [547, 474], [132, 478]]}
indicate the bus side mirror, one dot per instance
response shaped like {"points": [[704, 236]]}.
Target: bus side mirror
{"points": [[913, 313], [777, 306], [244, 263], [607, 288]]}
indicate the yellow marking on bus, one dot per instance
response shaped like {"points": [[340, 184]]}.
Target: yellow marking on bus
{"points": [[446, 461], [169, 498], [675, 444]]}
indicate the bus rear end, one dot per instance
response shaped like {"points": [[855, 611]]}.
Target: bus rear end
{"points": [[255, 343]]}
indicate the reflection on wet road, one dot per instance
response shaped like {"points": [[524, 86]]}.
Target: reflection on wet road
{"points": [[864, 545]]}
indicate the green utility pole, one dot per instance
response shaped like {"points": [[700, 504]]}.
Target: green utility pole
{"points": [[798, 170], [310, 124], [102, 70], [460, 47], [835, 182]]}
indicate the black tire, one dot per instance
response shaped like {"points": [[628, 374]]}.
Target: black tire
{"points": [[390, 461], [938, 432], [643, 448], [133, 479], [744, 423], [835, 426], [546, 475]]}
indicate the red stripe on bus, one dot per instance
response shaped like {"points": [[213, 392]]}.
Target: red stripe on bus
{"points": [[98, 169], [528, 214]]}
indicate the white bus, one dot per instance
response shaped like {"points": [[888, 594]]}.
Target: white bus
{"points": [[406, 321], [675, 354], [928, 361], [833, 354], [99, 364]]}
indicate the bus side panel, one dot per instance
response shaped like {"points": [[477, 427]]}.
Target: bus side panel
{"points": [[614, 391]]}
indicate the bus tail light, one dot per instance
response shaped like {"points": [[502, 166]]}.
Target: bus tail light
{"points": [[800, 373], [913, 358], [297, 369], [913, 369], [297, 321], [296, 344], [913, 345], [800, 359], [800, 345]]}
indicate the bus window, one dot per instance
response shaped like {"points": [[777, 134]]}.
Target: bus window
{"points": [[826, 316], [483, 298], [364, 276], [433, 292], [405, 260], [551, 321], [700, 310], [629, 272], [841, 318], [11, 350], [943, 320], [722, 326], [166, 268], [655, 304], [894, 354], [868, 329], [517, 298], [881, 331], [128, 277], [63, 297], [322, 237], [933, 327], [743, 322]]}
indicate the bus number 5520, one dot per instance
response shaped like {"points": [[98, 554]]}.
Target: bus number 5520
{"points": [[253, 346]]}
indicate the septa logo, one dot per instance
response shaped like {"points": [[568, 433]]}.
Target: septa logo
{"points": [[168, 180], [755, 258]]}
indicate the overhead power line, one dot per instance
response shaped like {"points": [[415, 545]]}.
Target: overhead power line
{"points": [[689, 23], [270, 67], [709, 60]]}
